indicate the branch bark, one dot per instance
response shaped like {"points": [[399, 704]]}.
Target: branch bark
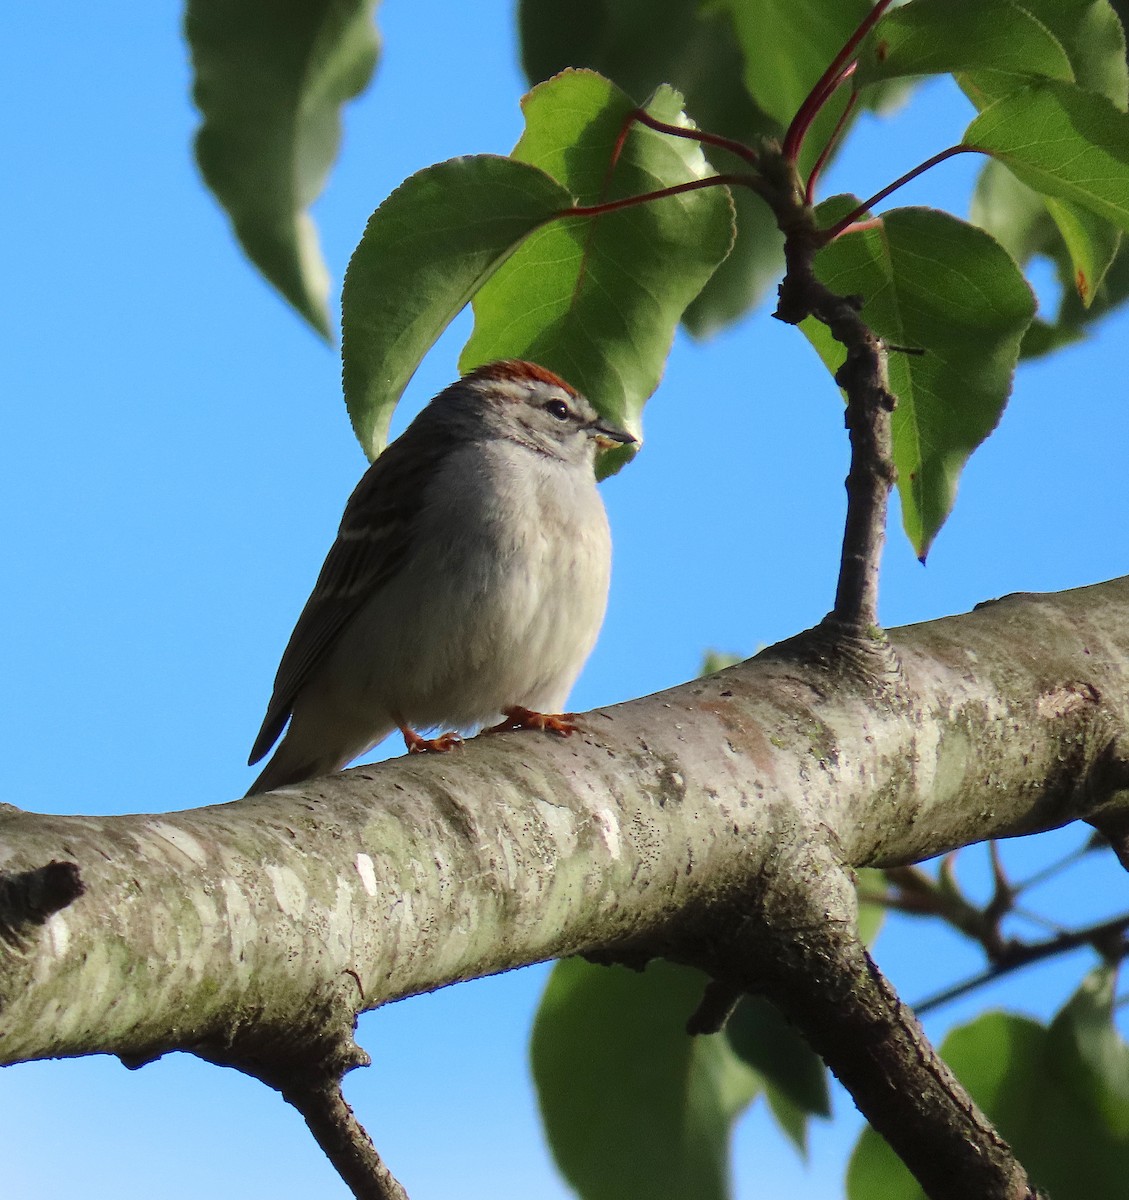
{"points": [[714, 824]]}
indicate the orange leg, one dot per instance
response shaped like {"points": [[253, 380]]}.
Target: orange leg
{"points": [[525, 718], [422, 745]]}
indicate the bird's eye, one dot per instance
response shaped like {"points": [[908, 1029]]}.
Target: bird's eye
{"points": [[558, 409]]}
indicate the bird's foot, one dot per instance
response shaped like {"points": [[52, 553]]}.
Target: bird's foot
{"points": [[421, 745], [525, 718]]}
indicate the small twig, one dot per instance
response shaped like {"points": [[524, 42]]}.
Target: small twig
{"points": [[862, 375], [828, 82], [678, 189], [1034, 918], [740, 149], [1050, 871], [343, 1139], [832, 141], [1019, 954], [719, 1000], [846, 223], [921, 896], [1003, 894], [869, 405]]}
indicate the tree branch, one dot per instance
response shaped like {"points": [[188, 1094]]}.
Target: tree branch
{"points": [[1107, 936], [346, 1144], [684, 825], [870, 403], [813, 966]]}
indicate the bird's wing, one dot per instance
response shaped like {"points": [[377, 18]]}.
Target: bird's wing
{"points": [[372, 543]]}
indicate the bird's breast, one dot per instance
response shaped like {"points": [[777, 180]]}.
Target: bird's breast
{"points": [[511, 579]]}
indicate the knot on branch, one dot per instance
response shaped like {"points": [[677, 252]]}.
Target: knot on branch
{"points": [[800, 292], [29, 898], [863, 654], [284, 1057], [863, 377]]}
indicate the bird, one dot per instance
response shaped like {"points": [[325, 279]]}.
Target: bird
{"points": [[467, 584]]}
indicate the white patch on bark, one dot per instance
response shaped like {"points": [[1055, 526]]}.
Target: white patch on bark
{"points": [[59, 934], [205, 909], [367, 872], [288, 890], [561, 825], [184, 842], [610, 831], [240, 924]]}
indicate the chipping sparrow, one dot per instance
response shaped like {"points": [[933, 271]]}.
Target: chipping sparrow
{"points": [[467, 583]]}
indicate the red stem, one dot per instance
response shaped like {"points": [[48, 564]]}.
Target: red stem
{"points": [[644, 118], [830, 234], [828, 81], [633, 116], [710, 139], [609, 206], [825, 153]]}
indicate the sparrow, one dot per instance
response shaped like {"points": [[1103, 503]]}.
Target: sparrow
{"points": [[467, 584]]}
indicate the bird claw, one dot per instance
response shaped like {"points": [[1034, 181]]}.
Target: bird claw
{"points": [[525, 718], [437, 745]]}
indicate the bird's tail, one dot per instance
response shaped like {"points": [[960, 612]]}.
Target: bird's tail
{"points": [[298, 759], [288, 767]]}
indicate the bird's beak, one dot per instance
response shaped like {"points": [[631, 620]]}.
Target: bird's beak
{"points": [[608, 436]]}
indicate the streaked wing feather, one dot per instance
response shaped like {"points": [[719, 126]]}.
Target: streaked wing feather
{"points": [[372, 543]]}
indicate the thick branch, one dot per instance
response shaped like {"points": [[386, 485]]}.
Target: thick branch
{"points": [[254, 932], [801, 949]]}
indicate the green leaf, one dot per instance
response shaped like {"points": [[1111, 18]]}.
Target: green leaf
{"points": [[1091, 34], [1091, 244], [271, 77], [1045, 337], [871, 886], [1073, 319], [931, 37], [717, 660], [1063, 142], [793, 1075], [640, 44], [755, 262], [1082, 245], [424, 253], [788, 44], [954, 298], [1012, 213], [1121, 8], [635, 1108], [1088, 1056], [597, 299], [1010, 1068]]}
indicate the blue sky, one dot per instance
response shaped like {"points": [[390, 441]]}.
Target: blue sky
{"points": [[176, 459]]}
